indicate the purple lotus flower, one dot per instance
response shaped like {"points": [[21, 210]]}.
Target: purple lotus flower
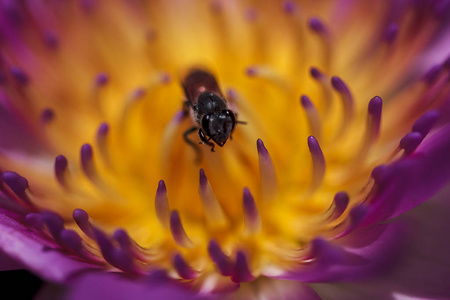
{"points": [[105, 194]]}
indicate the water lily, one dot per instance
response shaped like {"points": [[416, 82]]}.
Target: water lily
{"points": [[345, 105]]}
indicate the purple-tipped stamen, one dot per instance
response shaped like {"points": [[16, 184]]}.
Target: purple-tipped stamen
{"points": [[162, 205], [177, 230], [356, 216], [391, 33], [55, 225], [425, 123], [81, 217], [252, 218], [315, 125], [35, 220], [102, 79], [324, 252], [316, 73], [251, 71], [289, 7], [373, 125], [317, 25], [222, 261], [213, 210], [241, 272], [183, 269], [269, 182], [346, 100], [251, 14], [61, 170], [87, 162], [47, 115], [18, 185], [318, 162], [102, 135], [127, 244], [410, 142], [19, 75], [50, 39], [105, 245], [340, 203]]}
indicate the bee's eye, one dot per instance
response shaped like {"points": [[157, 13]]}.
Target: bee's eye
{"points": [[205, 124]]}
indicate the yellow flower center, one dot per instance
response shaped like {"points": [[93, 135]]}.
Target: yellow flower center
{"points": [[112, 88]]}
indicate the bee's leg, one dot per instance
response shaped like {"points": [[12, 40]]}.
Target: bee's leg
{"points": [[198, 153], [205, 140]]}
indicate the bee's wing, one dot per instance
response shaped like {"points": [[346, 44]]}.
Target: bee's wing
{"points": [[198, 81]]}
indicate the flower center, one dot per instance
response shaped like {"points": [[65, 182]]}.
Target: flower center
{"points": [[299, 168]]}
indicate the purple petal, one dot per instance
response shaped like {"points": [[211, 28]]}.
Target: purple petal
{"points": [[411, 181], [365, 252], [28, 248], [116, 286], [421, 271]]}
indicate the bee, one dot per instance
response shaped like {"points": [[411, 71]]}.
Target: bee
{"points": [[214, 120]]}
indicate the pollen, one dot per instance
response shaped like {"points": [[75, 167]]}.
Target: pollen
{"points": [[119, 187]]}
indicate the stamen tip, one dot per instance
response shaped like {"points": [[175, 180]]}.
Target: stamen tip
{"points": [[375, 105], [316, 25], [289, 7], [102, 79], [338, 84], [305, 101], [102, 130], [47, 115], [316, 73]]}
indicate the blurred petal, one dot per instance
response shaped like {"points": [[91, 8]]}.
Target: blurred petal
{"points": [[7, 263], [26, 247], [423, 269], [115, 286]]}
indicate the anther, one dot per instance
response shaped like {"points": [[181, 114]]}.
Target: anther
{"points": [[82, 219], [270, 75], [354, 219], [18, 185], [391, 33], [318, 162], [269, 184], [183, 269], [252, 218], [102, 79], [222, 261], [162, 205], [346, 100], [323, 80], [410, 142], [213, 210], [312, 115], [241, 272], [19, 75], [289, 7], [425, 123], [55, 225], [372, 127], [318, 27], [61, 171], [127, 244], [340, 203], [178, 233], [102, 135], [47, 115], [35, 220], [50, 39], [87, 163]]}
